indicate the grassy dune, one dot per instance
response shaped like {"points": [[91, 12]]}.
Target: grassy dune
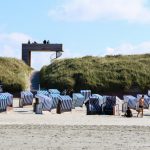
{"points": [[14, 74], [110, 74]]}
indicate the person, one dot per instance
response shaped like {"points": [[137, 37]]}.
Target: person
{"points": [[28, 41], [141, 105], [44, 42], [48, 42], [128, 112]]}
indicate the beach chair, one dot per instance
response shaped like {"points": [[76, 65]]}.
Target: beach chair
{"points": [[92, 105], [37, 106], [131, 101], [3, 103], [55, 98], [78, 100], [113, 105], [44, 92], [45, 101], [64, 104], [86, 93], [54, 91], [6, 100], [26, 98], [100, 98]]}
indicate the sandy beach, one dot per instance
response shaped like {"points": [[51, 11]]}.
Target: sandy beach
{"points": [[74, 137], [21, 129]]}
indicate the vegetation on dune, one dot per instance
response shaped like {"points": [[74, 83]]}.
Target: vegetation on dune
{"points": [[110, 74], [14, 74]]}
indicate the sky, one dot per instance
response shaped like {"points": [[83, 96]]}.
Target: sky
{"points": [[84, 27]]}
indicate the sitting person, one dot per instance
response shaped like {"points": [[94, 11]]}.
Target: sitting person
{"points": [[128, 113]]}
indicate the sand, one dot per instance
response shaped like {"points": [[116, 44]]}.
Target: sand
{"points": [[54, 137], [21, 129]]}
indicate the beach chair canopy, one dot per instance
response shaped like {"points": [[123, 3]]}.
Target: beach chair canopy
{"points": [[130, 100], [54, 91], [92, 105], [100, 98], [78, 100], [55, 98], [44, 92], [86, 93], [46, 101], [27, 97], [66, 102]]}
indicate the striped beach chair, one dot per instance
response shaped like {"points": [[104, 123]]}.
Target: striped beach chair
{"points": [[44, 92], [45, 101], [55, 98], [131, 101], [26, 98], [100, 98], [113, 105], [78, 100], [3, 103], [54, 91], [86, 93], [6, 99], [92, 105], [64, 103]]}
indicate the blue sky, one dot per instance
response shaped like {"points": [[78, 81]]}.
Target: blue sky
{"points": [[84, 27]]}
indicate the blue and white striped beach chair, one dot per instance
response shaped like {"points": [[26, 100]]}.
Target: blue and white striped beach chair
{"points": [[3, 103], [55, 98], [65, 103], [100, 98], [86, 93], [113, 105], [131, 101], [26, 98], [92, 105], [46, 102], [44, 92], [54, 91], [78, 100], [6, 99]]}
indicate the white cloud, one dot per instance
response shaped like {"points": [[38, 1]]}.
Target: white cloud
{"points": [[10, 44], [89, 10], [128, 48]]}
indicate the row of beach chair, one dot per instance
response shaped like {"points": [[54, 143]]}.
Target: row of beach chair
{"points": [[95, 103]]}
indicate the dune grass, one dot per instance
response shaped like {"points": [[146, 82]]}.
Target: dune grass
{"points": [[14, 74], [110, 74]]}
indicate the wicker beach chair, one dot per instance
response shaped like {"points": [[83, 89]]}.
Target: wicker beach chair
{"points": [[78, 100], [92, 105], [113, 105], [64, 104], [26, 98], [45, 101]]}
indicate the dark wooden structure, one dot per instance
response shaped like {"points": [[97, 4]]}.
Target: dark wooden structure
{"points": [[28, 48]]}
